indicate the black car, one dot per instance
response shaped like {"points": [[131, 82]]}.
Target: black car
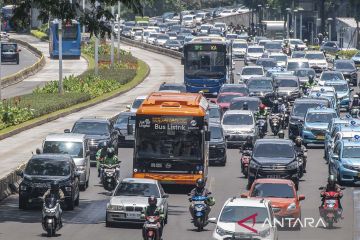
{"points": [[274, 158], [261, 87], [298, 112], [123, 124], [252, 102], [97, 130], [235, 88], [348, 69], [172, 86], [288, 86], [217, 146], [41, 171], [10, 52]]}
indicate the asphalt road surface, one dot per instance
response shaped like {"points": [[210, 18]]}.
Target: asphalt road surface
{"points": [[88, 220], [27, 59]]}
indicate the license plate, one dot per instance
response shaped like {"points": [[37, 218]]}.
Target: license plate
{"points": [[133, 215], [273, 176], [331, 201], [320, 137], [198, 202], [151, 225], [131, 137]]}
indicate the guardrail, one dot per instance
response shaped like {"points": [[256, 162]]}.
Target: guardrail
{"points": [[152, 48], [22, 74]]}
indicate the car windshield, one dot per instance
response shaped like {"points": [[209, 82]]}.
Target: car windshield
{"points": [[296, 41], [300, 109], [188, 18], [137, 189], [298, 55], [235, 89], [279, 58], [226, 98], [205, 27], [351, 152], [238, 105], [271, 45], [304, 72], [319, 117], [341, 87], [8, 47], [267, 63], [74, 149], [216, 133], [137, 103], [345, 65], [273, 150], [331, 76], [255, 50], [214, 112], [252, 71], [233, 214], [238, 119], [315, 56], [273, 190], [122, 119], [292, 66], [91, 128], [163, 37], [262, 84], [287, 83], [239, 45], [47, 167]]}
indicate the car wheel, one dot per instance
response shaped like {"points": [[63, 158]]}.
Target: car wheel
{"points": [[339, 179], [82, 187], [70, 204], [77, 201], [22, 203], [166, 219]]}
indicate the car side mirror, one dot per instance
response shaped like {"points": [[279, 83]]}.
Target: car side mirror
{"points": [[207, 136], [128, 107], [212, 220], [244, 195], [20, 173], [335, 157], [166, 196], [342, 188], [301, 197], [351, 89], [130, 129], [67, 131], [321, 188]]}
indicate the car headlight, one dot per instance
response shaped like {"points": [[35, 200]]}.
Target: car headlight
{"points": [[264, 233], [348, 166], [291, 207], [222, 232], [292, 166], [68, 189], [23, 187]]}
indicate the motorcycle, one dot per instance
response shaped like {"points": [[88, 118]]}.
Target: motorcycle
{"points": [[152, 227], [200, 208], [330, 211], [245, 161], [275, 123], [109, 176], [354, 112], [302, 164], [261, 123], [51, 215]]}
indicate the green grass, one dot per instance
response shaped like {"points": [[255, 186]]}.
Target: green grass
{"points": [[40, 35]]}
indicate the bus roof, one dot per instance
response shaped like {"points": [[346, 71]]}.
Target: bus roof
{"points": [[169, 103], [207, 39]]}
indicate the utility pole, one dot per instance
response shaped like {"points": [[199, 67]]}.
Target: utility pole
{"points": [[97, 4], [112, 37], [61, 89], [83, 3], [118, 32], [0, 57], [288, 23], [295, 23]]}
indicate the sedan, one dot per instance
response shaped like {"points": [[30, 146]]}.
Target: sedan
{"points": [[130, 198], [173, 45], [348, 69]]}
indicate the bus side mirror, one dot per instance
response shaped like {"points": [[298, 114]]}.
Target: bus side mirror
{"points": [[130, 129], [207, 136], [182, 61]]}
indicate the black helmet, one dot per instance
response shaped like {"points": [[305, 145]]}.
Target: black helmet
{"points": [[54, 186], [281, 134], [152, 200], [245, 106], [103, 145], [110, 152], [200, 183], [276, 102], [311, 78], [331, 180], [249, 139], [298, 141]]}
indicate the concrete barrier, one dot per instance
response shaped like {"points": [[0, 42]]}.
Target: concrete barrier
{"points": [[239, 18], [22, 74], [10, 183]]}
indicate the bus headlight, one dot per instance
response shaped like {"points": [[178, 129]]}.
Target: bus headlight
{"points": [[135, 170], [200, 172]]}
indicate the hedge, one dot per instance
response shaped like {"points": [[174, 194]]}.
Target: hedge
{"points": [[40, 35]]}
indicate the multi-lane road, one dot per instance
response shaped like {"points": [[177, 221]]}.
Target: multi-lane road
{"points": [[88, 220]]}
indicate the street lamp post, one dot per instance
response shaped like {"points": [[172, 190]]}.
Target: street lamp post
{"points": [[61, 90], [83, 6], [112, 37], [329, 23], [295, 23], [0, 59], [118, 32], [301, 22], [260, 20], [288, 23]]}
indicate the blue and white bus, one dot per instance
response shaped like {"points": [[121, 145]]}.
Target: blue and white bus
{"points": [[207, 64], [71, 45], [7, 24]]}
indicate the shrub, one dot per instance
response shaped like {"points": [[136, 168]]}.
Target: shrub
{"points": [[12, 114], [40, 35], [347, 54]]}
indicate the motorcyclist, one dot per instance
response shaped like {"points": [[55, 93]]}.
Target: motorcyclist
{"points": [[309, 84], [355, 102], [100, 155], [301, 149], [248, 145], [296, 47], [153, 210], [281, 134], [200, 190], [59, 194], [262, 113], [110, 159], [245, 106], [332, 186], [275, 108]]}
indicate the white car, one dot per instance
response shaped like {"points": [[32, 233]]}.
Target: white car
{"points": [[138, 36], [152, 37], [136, 104], [199, 17], [300, 44], [188, 21], [228, 225], [220, 25], [251, 71], [239, 48], [238, 125], [161, 40], [280, 58], [253, 53], [317, 61]]}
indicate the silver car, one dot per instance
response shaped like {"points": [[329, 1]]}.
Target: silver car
{"points": [[130, 198], [238, 125]]}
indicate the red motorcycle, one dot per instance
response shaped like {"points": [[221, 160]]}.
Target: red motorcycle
{"points": [[329, 210], [245, 161], [152, 227]]}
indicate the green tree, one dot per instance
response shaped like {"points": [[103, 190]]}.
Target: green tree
{"points": [[355, 4]]}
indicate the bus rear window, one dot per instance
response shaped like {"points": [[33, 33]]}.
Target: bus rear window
{"points": [[70, 32]]}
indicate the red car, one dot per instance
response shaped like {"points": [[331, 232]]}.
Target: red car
{"points": [[224, 99]]}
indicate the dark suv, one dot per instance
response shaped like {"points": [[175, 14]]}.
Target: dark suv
{"points": [[217, 146], [97, 130], [41, 171], [274, 158], [10, 52]]}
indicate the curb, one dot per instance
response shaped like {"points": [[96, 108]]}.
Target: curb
{"points": [[24, 73], [10, 183]]}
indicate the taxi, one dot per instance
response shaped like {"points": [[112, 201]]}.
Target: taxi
{"points": [[343, 93], [316, 123], [345, 160], [330, 96]]}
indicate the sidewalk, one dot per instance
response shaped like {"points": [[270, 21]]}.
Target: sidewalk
{"points": [[50, 71]]}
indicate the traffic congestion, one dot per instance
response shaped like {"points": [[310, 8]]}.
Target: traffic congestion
{"points": [[259, 137]]}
